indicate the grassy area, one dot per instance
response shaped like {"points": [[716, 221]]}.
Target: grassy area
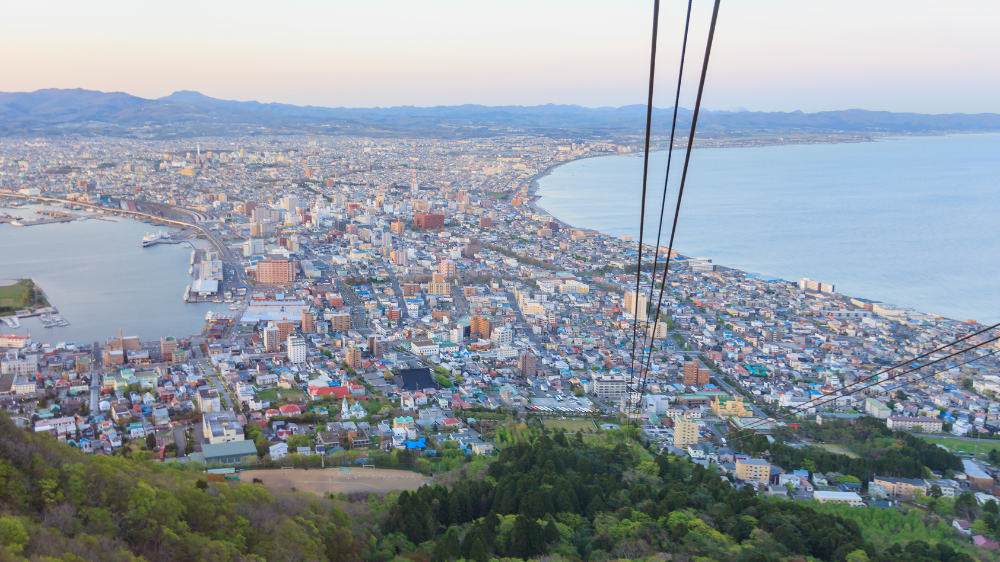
{"points": [[836, 448], [286, 395], [572, 426], [957, 445], [12, 297]]}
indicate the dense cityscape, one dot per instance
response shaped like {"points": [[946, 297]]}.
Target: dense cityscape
{"points": [[406, 303]]}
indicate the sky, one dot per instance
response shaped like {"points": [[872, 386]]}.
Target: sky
{"points": [[769, 55]]}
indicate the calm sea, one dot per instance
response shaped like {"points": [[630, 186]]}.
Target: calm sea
{"points": [[909, 221], [101, 279]]}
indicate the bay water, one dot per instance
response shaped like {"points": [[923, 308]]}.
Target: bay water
{"points": [[910, 221]]}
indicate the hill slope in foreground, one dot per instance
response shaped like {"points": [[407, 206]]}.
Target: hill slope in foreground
{"points": [[546, 497]]}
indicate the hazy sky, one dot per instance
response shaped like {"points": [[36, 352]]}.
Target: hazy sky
{"points": [[769, 55]]}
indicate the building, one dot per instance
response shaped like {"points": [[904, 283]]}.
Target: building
{"points": [[285, 329], [14, 341], [753, 470], [208, 401], [232, 452], [610, 386], [725, 407], [308, 322], [502, 336], [167, 346], [296, 349], [481, 325], [905, 488], [428, 220], [876, 409], [685, 432], [439, 286], [253, 247], [637, 307], [806, 284], [19, 367], [23, 385], [275, 271], [221, 427], [354, 359], [447, 268], [271, 339], [377, 345], [398, 227], [526, 364], [695, 373], [425, 347], [906, 423], [850, 498], [340, 322]]}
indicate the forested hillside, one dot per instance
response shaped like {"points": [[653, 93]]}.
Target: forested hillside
{"points": [[547, 496]]}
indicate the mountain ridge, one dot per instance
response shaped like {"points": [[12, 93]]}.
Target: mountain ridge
{"points": [[26, 112]]}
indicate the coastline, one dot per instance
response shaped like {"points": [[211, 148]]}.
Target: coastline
{"points": [[534, 201]]}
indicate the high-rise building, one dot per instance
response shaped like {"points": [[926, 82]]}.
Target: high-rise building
{"points": [[253, 247], [526, 364], [167, 346], [414, 186], [296, 349], [438, 286], [272, 339], [290, 203], [275, 271], [308, 322], [377, 345], [399, 227], [685, 432], [637, 307], [447, 268], [695, 373], [428, 220], [481, 325], [340, 322], [285, 327], [502, 336], [398, 257], [354, 359]]}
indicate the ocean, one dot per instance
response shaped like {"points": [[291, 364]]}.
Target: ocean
{"points": [[101, 279], [905, 220]]}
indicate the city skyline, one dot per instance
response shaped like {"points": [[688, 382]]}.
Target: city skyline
{"points": [[773, 56]]}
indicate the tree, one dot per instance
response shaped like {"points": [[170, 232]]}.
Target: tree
{"points": [[935, 491], [900, 395], [12, 534], [857, 556], [478, 552], [150, 441]]}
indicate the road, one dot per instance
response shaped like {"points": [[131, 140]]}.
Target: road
{"points": [[403, 313], [520, 318], [209, 373], [179, 440], [359, 314]]}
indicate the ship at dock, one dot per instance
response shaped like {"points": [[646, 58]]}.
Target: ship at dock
{"points": [[152, 239]]}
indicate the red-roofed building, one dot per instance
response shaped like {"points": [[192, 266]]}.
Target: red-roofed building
{"points": [[290, 410], [271, 413], [320, 391], [451, 423]]}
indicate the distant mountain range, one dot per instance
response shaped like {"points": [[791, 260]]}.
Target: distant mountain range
{"points": [[185, 112]]}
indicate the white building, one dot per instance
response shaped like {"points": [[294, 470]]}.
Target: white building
{"points": [[502, 336], [609, 386], [296, 349]]}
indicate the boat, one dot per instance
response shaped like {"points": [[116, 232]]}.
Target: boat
{"points": [[234, 307], [12, 322], [151, 239]]}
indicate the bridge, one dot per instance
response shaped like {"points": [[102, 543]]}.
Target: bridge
{"points": [[98, 207]]}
